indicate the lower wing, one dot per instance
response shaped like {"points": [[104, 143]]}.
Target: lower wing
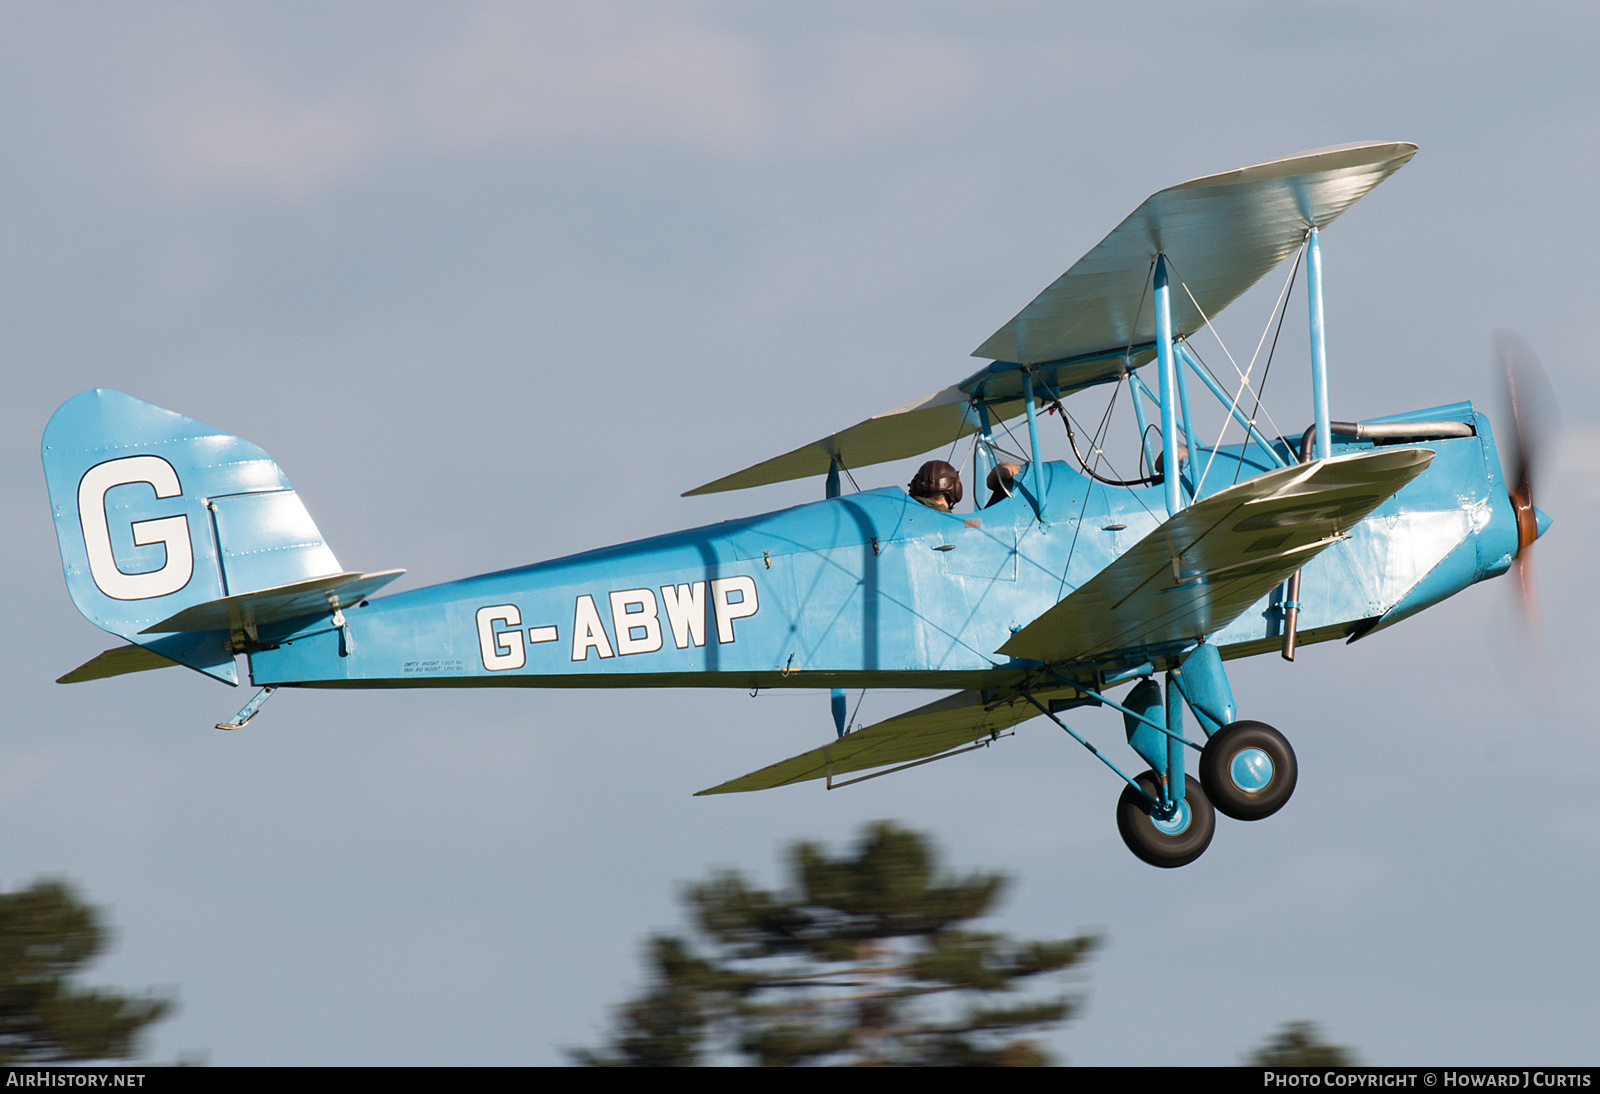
{"points": [[944, 727]]}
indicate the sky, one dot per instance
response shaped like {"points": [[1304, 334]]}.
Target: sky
{"points": [[495, 283]]}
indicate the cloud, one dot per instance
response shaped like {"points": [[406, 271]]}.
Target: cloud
{"points": [[861, 88], [221, 112], [509, 76], [252, 135], [551, 73]]}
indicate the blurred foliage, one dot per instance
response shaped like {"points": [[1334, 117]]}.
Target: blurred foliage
{"points": [[1300, 1044], [46, 936], [863, 960]]}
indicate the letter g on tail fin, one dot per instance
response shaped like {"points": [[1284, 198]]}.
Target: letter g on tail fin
{"points": [[156, 513]]}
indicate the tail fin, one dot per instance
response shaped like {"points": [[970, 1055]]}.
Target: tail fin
{"points": [[157, 513]]}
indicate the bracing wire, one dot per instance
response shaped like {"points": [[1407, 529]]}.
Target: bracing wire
{"points": [[1282, 311], [1096, 446], [852, 719], [1101, 456], [1018, 453], [1267, 371], [1243, 374], [1244, 378], [1283, 303], [957, 438], [1133, 331]]}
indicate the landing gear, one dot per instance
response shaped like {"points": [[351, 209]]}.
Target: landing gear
{"points": [[1248, 770], [1174, 840]]}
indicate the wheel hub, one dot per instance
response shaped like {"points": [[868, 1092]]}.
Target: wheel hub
{"points": [[1250, 769], [1175, 822]]}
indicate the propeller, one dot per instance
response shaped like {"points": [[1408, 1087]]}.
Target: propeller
{"points": [[1532, 406]]}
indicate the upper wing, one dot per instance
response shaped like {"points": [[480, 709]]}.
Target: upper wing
{"points": [[940, 726], [1197, 572], [1221, 233], [931, 422], [937, 419]]}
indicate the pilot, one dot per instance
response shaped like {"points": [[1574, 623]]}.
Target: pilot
{"points": [[1001, 480], [936, 484], [1159, 473]]}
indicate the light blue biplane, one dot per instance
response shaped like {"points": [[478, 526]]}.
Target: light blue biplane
{"points": [[1047, 596]]}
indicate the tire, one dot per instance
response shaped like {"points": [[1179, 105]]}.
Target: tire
{"points": [[1153, 841], [1248, 770]]}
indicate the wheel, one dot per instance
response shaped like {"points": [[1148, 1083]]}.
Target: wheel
{"points": [[1166, 843], [1249, 770]]}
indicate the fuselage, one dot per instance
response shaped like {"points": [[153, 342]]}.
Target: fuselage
{"points": [[876, 589]]}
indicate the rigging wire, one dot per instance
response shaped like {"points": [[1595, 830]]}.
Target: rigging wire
{"points": [[1288, 287], [1100, 456], [1099, 451], [1096, 446], [1072, 548], [1017, 455], [1133, 331], [1131, 492], [1284, 311], [1243, 376], [856, 711], [957, 438], [1282, 308]]}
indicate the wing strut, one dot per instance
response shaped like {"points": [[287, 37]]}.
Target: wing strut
{"points": [[1169, 384], [1035, 463], [1319, 346]]}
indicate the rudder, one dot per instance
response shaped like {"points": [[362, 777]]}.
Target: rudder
{"points": [[156, 512]]}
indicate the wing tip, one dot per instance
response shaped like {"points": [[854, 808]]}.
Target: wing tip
{"points": [[1395, 154]]}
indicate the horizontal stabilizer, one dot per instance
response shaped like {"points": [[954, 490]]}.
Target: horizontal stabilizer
{"points": [[117, 662], [317, 596], [1201, 569], [919, 734]]}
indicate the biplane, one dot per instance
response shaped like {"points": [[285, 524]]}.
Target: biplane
{"points": [[1063, 586]]}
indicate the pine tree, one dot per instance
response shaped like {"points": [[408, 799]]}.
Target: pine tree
{"points": [[1300, 1044], [46, 935], [865, 959]]}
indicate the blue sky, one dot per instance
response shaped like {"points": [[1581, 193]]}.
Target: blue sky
{"points": [[641, 246]]}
